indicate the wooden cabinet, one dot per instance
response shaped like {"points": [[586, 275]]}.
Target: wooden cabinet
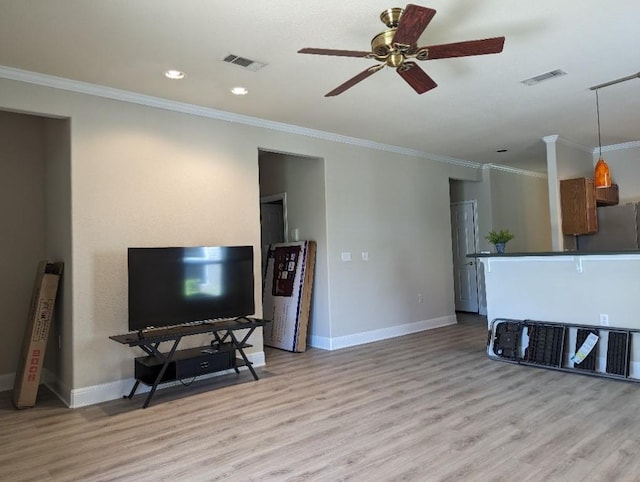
{"points": [[607, 196], [578, 205], [578, 201]]}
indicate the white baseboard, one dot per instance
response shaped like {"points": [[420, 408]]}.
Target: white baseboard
{"points": [[81, 397], [381, 334]]}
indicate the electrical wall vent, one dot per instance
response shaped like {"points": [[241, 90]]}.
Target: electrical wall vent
{"points": [[542, 77], [244, 63]]}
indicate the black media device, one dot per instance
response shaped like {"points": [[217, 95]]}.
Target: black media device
{"points": [[173, 286]]}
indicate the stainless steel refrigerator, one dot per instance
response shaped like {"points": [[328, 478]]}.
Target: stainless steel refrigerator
{"points": [[617, 230]]}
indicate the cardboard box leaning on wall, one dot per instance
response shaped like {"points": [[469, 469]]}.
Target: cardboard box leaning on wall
{"points": [[45, 290], [287, 291]]}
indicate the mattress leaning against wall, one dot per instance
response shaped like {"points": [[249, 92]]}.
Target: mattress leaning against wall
{"points": [[287, 290]]}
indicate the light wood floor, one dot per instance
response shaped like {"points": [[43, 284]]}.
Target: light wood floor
{"points": [[428, 406]]}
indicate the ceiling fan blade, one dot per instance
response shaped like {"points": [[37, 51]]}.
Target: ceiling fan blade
{"points": [[465, 49], [339, 53], [416, 77], [354, 80], [412, 23]]}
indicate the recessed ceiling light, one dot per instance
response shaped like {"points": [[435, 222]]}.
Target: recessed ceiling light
{"points": [[239, 91], [174, 74]]}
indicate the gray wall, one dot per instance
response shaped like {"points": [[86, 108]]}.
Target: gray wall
{"points": [[141, 175], [58, 246], [624, 164], [521, 204]]}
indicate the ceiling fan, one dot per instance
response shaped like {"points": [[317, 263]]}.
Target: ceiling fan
{"points": [[397, 46]]}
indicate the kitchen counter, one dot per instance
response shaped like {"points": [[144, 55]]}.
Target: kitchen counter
{"points": [[554, 253], [565, 287]]}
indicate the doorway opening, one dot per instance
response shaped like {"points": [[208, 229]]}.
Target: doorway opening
{"points": [[293, 208], [273, 222], [35, 206]]}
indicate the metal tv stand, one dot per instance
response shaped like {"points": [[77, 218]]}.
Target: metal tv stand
{"points": [[161, 367]]}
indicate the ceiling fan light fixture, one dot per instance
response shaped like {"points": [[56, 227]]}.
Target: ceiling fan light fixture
{"points": [[395, 60]]}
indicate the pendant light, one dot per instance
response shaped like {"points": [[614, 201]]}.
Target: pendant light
{"points": [[601, 175]]}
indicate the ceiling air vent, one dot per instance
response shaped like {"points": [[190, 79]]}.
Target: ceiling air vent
{"points": [[242, 62], [542, 77]]}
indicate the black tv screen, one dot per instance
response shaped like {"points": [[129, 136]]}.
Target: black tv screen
{"points": [[171, 286]]}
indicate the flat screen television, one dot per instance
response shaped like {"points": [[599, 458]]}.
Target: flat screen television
{"points": [[172, 286]]}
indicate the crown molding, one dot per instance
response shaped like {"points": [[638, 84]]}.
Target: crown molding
{"points": [[515, 170], [185, 108], [610, 148], [618, 147], [561, 140], [192, 109], [575, 145]]}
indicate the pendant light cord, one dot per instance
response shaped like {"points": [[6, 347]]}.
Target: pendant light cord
{"points": [[598, 115], [606, 84]]}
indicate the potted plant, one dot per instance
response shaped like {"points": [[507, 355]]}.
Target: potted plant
{"points": [[499, 239]]}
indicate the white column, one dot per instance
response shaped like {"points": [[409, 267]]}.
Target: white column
{"points": [[555, 213]]}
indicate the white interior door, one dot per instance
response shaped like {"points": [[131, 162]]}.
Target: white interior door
{"points": [[464, 235]]}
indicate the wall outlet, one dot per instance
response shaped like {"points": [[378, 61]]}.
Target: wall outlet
{"points": [[604, 320], [420, 298]]}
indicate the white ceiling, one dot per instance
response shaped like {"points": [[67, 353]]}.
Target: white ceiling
{"points": [[479, 106]]}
